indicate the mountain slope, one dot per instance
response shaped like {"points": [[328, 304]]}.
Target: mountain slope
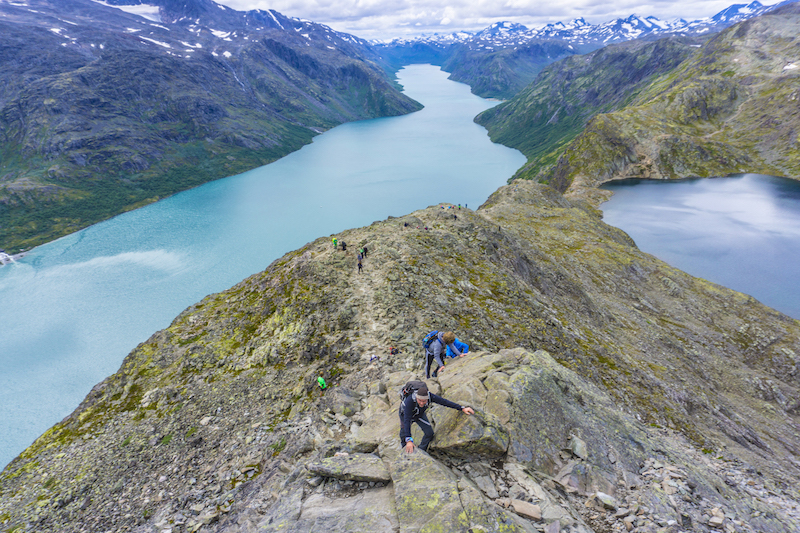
{"points": [[555, 108], [104, 111], [217, 422], [729, 107], [732, 108], [502, 73]]}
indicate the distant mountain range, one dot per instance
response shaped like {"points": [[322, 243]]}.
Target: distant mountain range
{"points": [[499, 61], [581, 33]]}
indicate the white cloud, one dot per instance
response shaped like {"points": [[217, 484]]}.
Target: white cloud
{"points": [[385, 19]]}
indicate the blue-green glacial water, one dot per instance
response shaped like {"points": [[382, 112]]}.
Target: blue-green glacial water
{"points": [[72, 309], [742, 231]]}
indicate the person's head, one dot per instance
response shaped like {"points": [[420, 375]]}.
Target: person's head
{"points": [[422, 396], [448, 337]]}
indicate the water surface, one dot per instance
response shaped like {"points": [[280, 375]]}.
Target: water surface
{"points": [[72, 309], [742, 231]]}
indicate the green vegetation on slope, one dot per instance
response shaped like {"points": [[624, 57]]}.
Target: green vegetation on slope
{"points": [[548, 114], [94, 137], [231, 381]]}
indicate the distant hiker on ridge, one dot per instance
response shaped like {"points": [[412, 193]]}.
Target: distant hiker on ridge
{"points": [[434, 344], [416, 400]]}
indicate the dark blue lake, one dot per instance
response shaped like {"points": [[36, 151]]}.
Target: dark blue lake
{"points": [[741, 231]]}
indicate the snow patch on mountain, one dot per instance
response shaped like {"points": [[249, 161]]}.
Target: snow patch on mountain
{"points": [[147, 11], [506, 34]]}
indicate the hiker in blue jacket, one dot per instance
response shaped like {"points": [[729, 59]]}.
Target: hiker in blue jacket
{"points": [[435, 351], [413, 408], [463, 347]]}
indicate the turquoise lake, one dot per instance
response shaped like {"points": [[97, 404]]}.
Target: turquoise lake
{"points": [[742, 231], [73, 309]]}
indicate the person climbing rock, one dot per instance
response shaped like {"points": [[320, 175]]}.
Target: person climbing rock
{"points": [[344, 246], [335, 242], [434, 344], [463, 347], [360, 266], [365, 252], [412, 410]]}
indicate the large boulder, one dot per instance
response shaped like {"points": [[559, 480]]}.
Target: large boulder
{"points": [[343, 401], [380, 425], [464, 436]]}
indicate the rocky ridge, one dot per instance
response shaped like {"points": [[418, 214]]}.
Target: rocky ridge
{"points": [[612, 393]]}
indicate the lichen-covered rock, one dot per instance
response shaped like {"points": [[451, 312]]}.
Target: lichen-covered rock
{"points": [[430, 498], [370, 511], [351, 467], [343, 401], [461, 435], [426, 493]]}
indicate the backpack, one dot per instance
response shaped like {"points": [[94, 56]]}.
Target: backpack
{"points": [[429, 338], [410, 388]]}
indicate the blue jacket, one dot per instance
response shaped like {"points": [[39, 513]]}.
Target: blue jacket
{"points": [[437, 349], [410, 411], [463, 347]]}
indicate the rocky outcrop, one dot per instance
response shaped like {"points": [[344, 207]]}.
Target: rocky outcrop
{"points": [[612, 393]]}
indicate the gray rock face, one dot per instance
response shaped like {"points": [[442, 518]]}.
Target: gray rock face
{"points": [[589, 374], [355, 467], [367, 512]]}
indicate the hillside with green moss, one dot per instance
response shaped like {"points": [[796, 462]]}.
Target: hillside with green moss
{"points": [[609, 387], [730, 106], [550, 112], [108, 111]]}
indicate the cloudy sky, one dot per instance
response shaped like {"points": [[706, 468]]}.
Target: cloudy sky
{"points": [[386, 19]]}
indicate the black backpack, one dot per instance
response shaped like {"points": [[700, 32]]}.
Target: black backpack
{"points": [[410, 388]]}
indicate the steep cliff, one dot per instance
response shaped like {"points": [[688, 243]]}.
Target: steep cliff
{"points": [[612, 392]]}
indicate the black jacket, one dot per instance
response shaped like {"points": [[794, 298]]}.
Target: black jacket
{"points": [[410, 411]]}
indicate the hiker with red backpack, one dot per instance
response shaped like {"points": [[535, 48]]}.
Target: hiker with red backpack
{"points": [[434, 344], [416, 400]]}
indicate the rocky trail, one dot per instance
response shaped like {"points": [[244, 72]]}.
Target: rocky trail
{"points": [[473, 480]]}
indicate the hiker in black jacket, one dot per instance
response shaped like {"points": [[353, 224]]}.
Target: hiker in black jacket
{"points": [[413, 410]]}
